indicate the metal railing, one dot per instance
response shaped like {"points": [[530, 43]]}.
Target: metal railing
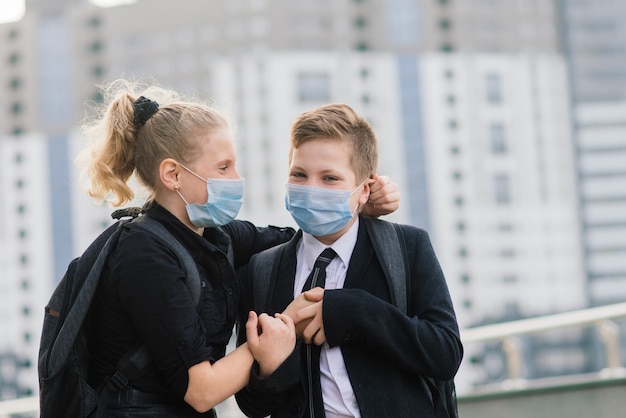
{"points": [[507, 333]]}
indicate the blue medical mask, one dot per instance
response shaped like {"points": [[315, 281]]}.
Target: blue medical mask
{"points": [[225, 200], [319, 211]]}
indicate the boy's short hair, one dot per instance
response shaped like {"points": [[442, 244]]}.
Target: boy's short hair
{"points": [[339, 121]]}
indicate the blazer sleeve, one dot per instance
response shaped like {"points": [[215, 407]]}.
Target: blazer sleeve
{"points": [[425, 341]]}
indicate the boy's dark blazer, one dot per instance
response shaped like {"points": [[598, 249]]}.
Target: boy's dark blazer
{"points": [[386, 352]]}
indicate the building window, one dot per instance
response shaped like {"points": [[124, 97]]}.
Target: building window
{"points": [[507, 253], [497, 138], [16, 108], [95, 22], [19, 183], [493, 88], [453, 124], [502, 189], [313, 87], [465, 278], [460, 226], [509, 278], [362, 46], [15, 84], [96, 47], [458, 201], [360, 22], [446, 47], [505, 227], [14, 58], [364, 73], [445, 24], [17, 131], [451, 100], [14, 34], [97, 71]]}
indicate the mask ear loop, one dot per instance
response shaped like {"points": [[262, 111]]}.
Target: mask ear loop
{"points": [[351, 193]]}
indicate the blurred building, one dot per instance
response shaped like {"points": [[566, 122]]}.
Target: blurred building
{"points": [[469, 98], [594, 43]]}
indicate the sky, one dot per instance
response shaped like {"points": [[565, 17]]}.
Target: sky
{"points": [[12, 10]]}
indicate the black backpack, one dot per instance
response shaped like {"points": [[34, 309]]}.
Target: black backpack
{"points": [[388, 241], [64, 353]]}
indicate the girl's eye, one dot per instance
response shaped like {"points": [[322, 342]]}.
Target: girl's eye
{"points": [[297, 174]]}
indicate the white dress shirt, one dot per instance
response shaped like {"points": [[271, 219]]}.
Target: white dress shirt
{"points": [[337, 392]]}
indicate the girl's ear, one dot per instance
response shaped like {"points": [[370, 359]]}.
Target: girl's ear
{"points": [[168, 173]]}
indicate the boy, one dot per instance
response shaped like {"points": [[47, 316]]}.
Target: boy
{"points": [[360, 355]]}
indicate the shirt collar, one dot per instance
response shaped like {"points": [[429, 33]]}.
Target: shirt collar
{"points": [[344, 246]]}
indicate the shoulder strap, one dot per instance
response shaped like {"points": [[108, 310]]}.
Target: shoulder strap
{"points": [[264, 266], [390, 247], [156, 229], [71, 324], [388, 241], [133, 364]]}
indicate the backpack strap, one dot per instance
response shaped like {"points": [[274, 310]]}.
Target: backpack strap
{"points": [[157, 230], [388, 242], [133, 364], [264, 266]]}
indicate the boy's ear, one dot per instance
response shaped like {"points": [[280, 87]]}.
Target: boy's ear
{"points": [[365, 192], [168, 173]]}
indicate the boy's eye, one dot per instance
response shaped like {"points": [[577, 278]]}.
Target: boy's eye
{"points": [[297, 174], [330, 178]]}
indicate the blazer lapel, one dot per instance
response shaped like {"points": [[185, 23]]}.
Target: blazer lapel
{"points": [[362, 256]]}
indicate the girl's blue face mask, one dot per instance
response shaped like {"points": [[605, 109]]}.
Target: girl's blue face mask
{"points": [[225, 200], [319, 211]]}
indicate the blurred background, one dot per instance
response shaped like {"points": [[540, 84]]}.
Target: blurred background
{"points": [[502, 121]]}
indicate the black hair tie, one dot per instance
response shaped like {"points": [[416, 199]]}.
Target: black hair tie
{"points": [[144, 109]]}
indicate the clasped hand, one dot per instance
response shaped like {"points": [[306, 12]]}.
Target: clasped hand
{"points": [[270, 340], [306, 312]]}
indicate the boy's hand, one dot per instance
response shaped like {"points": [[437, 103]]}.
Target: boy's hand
{"points": [[384, 197], [270, 340], [303, 300], [311, 316]]}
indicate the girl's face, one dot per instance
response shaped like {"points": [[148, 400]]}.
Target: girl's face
{"points": [[216, 162]]}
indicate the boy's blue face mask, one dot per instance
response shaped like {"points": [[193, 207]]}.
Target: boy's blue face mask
{"points": [[319, 211], [225, 200]]}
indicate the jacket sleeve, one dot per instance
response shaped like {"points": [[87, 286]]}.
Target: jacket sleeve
{"points": [[263, 396], [425, 341], [248, 239]]}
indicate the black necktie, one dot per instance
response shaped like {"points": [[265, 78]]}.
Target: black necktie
{"points": [[317, 278]]}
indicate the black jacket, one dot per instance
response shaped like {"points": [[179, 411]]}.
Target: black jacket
{"points": [[386, 352]]}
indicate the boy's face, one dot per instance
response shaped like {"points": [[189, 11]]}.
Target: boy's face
{"points": [[326, 163]]}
